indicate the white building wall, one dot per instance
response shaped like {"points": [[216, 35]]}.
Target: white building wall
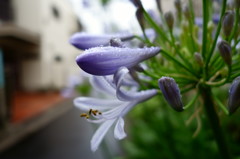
{"points": [[27, 14], [55, 35], [37, 17]]}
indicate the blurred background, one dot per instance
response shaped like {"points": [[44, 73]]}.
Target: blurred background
{"points": [[38, 75], [39, 79]]}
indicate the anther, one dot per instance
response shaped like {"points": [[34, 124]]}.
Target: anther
{"points": [[83, 115]]}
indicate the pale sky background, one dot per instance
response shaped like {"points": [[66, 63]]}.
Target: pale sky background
{"points": [[117, 15]]}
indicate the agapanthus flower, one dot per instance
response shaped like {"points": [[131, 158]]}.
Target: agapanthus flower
{"points": [[111, 111], [103, 61]]}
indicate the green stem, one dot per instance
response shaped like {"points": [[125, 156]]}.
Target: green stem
{"points": [[155, 26], [205, 29], [192, 101], [208, 57], [177, 50], [168, 56], [221, 82], [221, 105], [214, 122]]}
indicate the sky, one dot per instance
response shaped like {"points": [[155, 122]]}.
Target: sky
{"points": [[118, 15]]}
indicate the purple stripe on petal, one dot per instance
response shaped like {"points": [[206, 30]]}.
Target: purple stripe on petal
{"points": [[106, 60]]}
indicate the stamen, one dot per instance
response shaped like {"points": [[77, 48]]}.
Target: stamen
{"points": [[95, 112], [90, 112], [83, 115]]}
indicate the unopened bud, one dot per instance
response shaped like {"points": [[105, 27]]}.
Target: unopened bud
{"points": [[186, 12], [234, 96], [225, 51], [230, 4], [169, 19], [159, 5], [178, 5], [237, 3], [137, 3], [171, 92], [139, 15], [227, 23], [199, 59]]}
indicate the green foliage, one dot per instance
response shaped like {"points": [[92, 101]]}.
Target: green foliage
{"points": [[156, 131]]}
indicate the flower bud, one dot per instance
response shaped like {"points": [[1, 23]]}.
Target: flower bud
{"points": [[159, 5], [230, 5], [169, 19], [227, 23], [137, 3], [237, 3], [171, 92], [186, 12], [139, 15], [234, 96], [198, 58], [225, 51], [178, 5]]}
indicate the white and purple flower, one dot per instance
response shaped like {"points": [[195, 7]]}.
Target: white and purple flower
{"points": [[111, 111]]}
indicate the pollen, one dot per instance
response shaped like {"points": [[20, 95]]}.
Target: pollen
{"points": [[94, 112], [91, 112], [83, 115]]}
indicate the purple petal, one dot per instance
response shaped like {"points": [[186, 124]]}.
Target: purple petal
{"points": [[124, 95], [101, 84], [106, 60], [135, 96], [119, 132], [85, 41], [100, 133], [86, 103]]}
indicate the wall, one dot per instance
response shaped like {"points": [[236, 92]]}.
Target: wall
{"points": [[57, 57]]}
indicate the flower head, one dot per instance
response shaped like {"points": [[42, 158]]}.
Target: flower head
{"points": [[171, 92], [234, 96], [110, 111], [107, 60]]}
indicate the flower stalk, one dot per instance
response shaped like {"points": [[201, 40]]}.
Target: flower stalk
{"points": [[214, 122]]}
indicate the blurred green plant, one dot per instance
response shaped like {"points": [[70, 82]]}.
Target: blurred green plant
{"points": [[158, 132], [83, 88]]}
